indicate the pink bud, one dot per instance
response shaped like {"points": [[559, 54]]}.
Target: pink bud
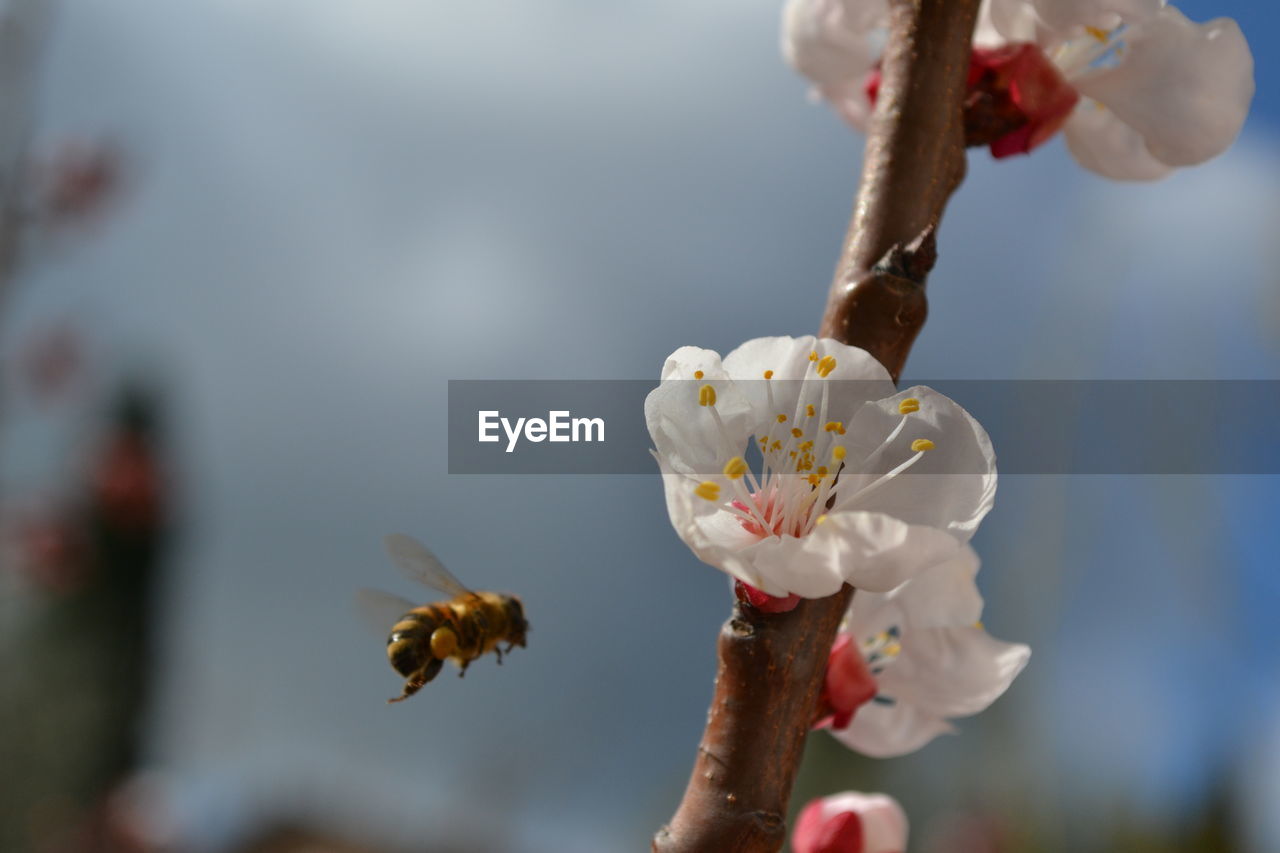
{"points": [[851, 823], [762, 601]]}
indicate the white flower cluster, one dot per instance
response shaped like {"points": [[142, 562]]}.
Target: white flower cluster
{"points": [[853, 483], [1154, 90]]}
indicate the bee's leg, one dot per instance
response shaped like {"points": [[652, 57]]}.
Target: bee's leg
{"points": [[462, 668], [497, 651], [414, 683]]}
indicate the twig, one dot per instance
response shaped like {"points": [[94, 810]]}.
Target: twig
{"points": [[771, 666]]}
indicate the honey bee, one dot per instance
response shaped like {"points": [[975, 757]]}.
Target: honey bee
{"points": [[460, 629]]}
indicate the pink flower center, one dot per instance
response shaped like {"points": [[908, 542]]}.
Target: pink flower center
{"points": [[771, 511]]}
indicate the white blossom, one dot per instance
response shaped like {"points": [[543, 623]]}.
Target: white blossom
{"points": [[1155, 90], [915, 657], [856, 483]]}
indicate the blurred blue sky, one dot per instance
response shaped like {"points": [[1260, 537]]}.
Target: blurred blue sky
{"points": [[335, 208]]}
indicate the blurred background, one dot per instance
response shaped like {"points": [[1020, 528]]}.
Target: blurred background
{"points": [[246, 244]]}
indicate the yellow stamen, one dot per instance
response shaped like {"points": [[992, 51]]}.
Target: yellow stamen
{"points": [[797, 432], [838, 453], [782, 419], [768, 374], [706, 396], [697, 374], [777, 445], [909, 405], [708, 491], [821, 519], [813, 356], [827, 365], [1100, 35], [814, 479], [822, 470], [810, 410], [834, 426], [922, 444], [735, 468]]}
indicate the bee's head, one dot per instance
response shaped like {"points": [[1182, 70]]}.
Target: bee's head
{"points": [[515, 614]]}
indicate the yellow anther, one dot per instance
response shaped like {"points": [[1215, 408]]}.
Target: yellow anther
{"points": [[834, 426], [921, 444], [814, 480], [797, 432], [827, 365], [822, 470], [764, 442], [768, 374], [813, 356], [1100, 35], [777, 445], [805, 446], [708, 491], [820, 519], [706, 396], [698, 374], [909, 405], [838, 453], [893, 649], [810, 410], [782, 419], [735, 467]]}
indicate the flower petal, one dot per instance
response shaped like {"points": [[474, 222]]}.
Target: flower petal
{"points": [[941, 596], [1066, 17], [829, 42], [1184, 87], [1104, 144], [684, 432], [952, 672], [874, 822], [951, 487], [874, 551], [856, 378], [883, 731]]}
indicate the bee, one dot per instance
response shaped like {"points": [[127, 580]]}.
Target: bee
{"points": [[461, 629]]}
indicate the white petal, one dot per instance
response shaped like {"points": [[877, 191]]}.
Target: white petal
{"points": [[1003, 21], [951, 487], [940, 596], [828, 41], [686, 361], [857, 377], [1184, 87], [1102, 143], [876, 552], [1065, 17], [883, 731], [952, 672], [683, 431]]}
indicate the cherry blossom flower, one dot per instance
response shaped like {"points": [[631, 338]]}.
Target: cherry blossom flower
{"points": [[1136, 87], [857, 484], [907, 660], [851, 823]]}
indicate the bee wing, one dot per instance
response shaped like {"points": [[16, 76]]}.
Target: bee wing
{"points": [[421, 565], [380, 610]]}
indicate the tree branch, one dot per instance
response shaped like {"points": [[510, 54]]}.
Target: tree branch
{"points": [[771, 667]]}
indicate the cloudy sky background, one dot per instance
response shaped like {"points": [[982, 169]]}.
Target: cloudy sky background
{"points": [[334, 208]]}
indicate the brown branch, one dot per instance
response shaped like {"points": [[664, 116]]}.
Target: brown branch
{"points": [[771, 666]]}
